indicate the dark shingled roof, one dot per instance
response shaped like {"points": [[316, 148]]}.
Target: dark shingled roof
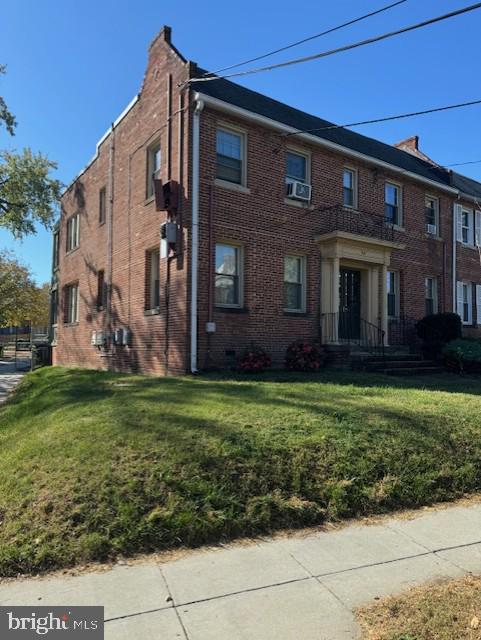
{"points": [[244, 98]]}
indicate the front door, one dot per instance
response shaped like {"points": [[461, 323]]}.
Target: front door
{"points": [[350, 304]]}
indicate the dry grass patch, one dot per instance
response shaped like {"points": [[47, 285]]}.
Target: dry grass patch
{"points": [[446, 611]]}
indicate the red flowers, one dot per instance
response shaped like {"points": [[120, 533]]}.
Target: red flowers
{"points": [[303, 356], [254, 360]]}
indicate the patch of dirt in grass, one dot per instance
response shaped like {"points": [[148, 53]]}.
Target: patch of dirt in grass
{"points": [[442, 611]]}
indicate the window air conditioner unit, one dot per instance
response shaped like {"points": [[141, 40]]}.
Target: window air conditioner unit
{"points": [[431, 229], [168, 232], [93, 340], [299, 191]]}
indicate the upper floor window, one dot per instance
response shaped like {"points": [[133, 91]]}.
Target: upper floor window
{"points": [[296, 167], [152, 284], [349, 186], [71, 303], [56, 245], [467, 226], [228, 271], [431, 215], [392, 200], [393, 293], [102, 204], [431, 295], [73, 232], [153, 167], [230, 147], [294, 283]]}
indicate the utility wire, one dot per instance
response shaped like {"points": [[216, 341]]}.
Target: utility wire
{"points": [[348, 47], [308, 39], [386, 119]]}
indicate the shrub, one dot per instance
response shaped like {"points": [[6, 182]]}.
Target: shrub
{"points": [[304, 356], [436, 330], [254, 360], [463, 355]]}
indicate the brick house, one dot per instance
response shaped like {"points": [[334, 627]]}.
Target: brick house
{"points": [[212, 217]]}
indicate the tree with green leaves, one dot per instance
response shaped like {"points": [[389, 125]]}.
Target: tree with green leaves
{"points": [[21, 300], [28, 193]]}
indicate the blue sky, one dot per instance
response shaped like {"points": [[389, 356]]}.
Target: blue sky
{"points": [[73, 67]]}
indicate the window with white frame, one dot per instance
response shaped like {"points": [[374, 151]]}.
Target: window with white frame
{"points": [[294, 284], [228, 275], [230, 148], [392, 203], [431, 295], [465, 302], [467, 224], [349, 186], [152, 280], [73, 232], [392, 286], [71, 303], [153, 167], [431, 215], [296, 167]]}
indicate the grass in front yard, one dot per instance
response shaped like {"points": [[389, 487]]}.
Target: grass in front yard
{"points": [[446, 611], [97, 464]]}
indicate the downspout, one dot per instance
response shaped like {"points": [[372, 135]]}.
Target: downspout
{"points": [[108, 314], [194, 272]]}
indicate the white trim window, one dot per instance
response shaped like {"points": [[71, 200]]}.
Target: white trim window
{"points": [[431, 215], [154, 158], [467, 222], [349, 188], [297, 167], [478, 304], [392, 287], [464, 296], [152, 301], [71, 303], [228, 275], [392, 203], [295, 284], [73, 232], [431, 295], [230, 156]]}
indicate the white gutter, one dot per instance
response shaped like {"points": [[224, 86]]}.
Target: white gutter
{"points": [[279, 126], [194, 271]]}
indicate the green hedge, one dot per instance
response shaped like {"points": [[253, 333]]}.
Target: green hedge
{"points": [[463, 354]]}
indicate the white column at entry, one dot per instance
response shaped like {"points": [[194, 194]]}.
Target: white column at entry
{"points": [[384, 319]]}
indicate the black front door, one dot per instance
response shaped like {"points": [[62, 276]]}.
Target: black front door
{"points": [[350, 304]]}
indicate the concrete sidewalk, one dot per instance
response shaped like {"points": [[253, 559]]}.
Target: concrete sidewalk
{"points": [[289, 588], [9, 378]]}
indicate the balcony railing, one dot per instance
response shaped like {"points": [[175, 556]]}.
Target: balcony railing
{"points": [[364, 223]]}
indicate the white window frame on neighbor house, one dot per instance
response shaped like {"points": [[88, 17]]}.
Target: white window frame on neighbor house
{"points": [[435, 209], [242, 135], [392, 288], [153, 279], [301, 282], [431, 293], [353, 188], [238, 276], [73, 232], [154, 162], [398, 205], [71, 293], [478, 304], [464, 295], [306, 156]]}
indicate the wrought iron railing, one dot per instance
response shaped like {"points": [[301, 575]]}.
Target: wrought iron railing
{"points": [[373, 225], [346, 328]]}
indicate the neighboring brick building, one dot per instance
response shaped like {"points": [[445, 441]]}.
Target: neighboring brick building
{"points": [[255, 255]]}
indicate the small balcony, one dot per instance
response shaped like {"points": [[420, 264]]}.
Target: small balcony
{"points": [[361, 223]]}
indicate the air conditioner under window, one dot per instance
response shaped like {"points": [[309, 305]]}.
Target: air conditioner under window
{"points": [[299, 191], [431, 229]]}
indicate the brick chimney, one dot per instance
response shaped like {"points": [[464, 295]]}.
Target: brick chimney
{"points": [[409, 144]]}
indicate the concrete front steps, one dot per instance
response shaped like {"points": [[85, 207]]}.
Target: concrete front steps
{"points": [[401, 365]]}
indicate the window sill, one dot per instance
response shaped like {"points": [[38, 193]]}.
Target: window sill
{"points": [[71, 324], [70, 251], [468, 246], [354, 209], [225, 184], [222, 309], [295, 314], [101, 224], [152, 312], [298, 203], [149, 200], [396, 227], [430, 236]]}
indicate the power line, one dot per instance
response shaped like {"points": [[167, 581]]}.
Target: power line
{"points": [[308, 39], [348, 47], [462, 164], [385, 119]]}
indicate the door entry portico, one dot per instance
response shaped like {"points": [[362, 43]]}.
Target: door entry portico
{"points": [[349, 304]]}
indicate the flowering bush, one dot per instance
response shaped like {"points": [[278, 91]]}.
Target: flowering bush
{"points": [[303, 356], [254, 360]]}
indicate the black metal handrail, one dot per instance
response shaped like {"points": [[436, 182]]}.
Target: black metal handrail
{"points": [[346, 328], [365, 223]]}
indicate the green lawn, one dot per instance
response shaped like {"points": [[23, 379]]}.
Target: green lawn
{"points": [[96, 464]]}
